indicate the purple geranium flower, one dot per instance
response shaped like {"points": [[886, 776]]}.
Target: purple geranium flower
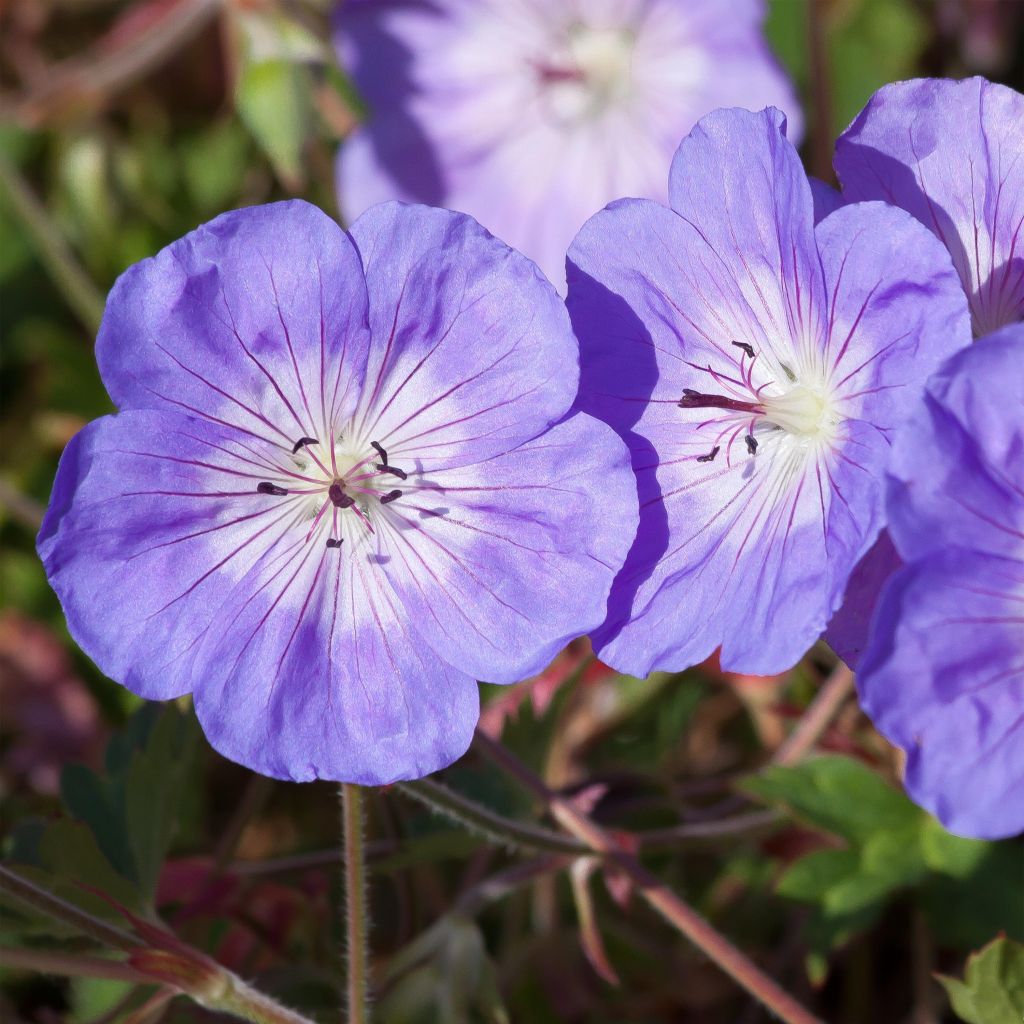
{"points": [[755, 364], [337, 491], [533, 114], [943, 676], [952, 155]]}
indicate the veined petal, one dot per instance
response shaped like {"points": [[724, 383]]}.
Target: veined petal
{"points": [[473, 351], [256, 320], [944, 680], [957, 474], [756, 217], [153, 518], [317, 673], [895, 310], [502, 562], [952, 154]]}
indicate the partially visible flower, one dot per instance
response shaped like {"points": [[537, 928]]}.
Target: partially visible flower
{"points": [[952, 154], [531, 115], [340, 488], [756, 365], [943, 677]]}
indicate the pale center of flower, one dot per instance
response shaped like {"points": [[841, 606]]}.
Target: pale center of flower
{"points": [[803, 411], [591, 73]]}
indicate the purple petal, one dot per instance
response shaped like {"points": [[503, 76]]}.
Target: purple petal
{"points": [[257, 319], [957, 476], [826, 199], [895, 310], [502, 562], [153, 518], [473, 351], [316, 672], [944, 679], [479, 106], [848, 632], [952, 154]]}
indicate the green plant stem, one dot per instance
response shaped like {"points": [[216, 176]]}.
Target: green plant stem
{"points": [[478, 818], [657, 895], [81, 295], [71, 965], [356, 921], [60, 910]]}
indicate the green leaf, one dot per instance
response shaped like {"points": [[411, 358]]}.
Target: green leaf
{"points": [[992, 991], [99, 804], [838, 795]]}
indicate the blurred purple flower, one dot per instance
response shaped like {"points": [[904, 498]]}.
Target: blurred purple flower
{"points": [[334, 495], [943, 676], [533, 114], [952, 154], [755, 364]]}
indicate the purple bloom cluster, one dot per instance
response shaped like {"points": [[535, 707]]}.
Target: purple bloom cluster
{"points": [[353, 473]]}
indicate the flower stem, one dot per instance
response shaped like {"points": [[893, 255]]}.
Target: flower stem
{"points": [[478, 818], [817, 718], [658, 896], [356, 920]]}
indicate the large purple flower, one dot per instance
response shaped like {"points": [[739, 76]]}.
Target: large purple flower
{"points": [[756, 365], [533, 114], [943, 676], [952, 154], [341, 487]]}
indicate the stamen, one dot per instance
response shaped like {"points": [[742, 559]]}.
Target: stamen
{"points": [[789, 373], [393, 470], [390, 496], [332, 543], [269, 488], [751, 443], [710, 457], [376, 446], [338, 496], [698, 400], [746, 346], [302, 442]]}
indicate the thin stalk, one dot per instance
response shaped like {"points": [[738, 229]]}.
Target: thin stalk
{"points": [[356, 922], [817, 718], [661, 899], [60, 910], [71, 965], [478, 818], [81, 295]]}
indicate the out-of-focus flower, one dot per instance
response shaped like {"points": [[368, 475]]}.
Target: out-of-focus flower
{"points": [[951, 154], [341, 487], [531, 115], [755, 364], [943, 676]]}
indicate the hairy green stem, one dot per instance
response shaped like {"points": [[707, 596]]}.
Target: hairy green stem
{"points": [[478, 818], [356, 919]]}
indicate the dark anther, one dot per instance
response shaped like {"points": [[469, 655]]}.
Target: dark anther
{"points": [[751, 443], [393, 470], [710, 457], [746, 346], [302, 442], [390, 496], [376, 446], [338, 496], [267, 488], [332, 543], [789, 373]]}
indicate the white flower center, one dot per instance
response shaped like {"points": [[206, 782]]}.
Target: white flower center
{"points": [[802, 411], [591, 73]]}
